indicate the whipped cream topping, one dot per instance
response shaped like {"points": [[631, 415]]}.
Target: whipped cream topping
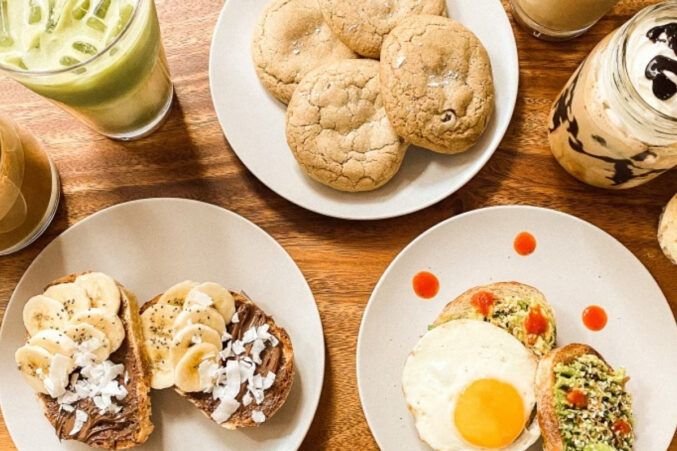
{"points": [[652, 64]]}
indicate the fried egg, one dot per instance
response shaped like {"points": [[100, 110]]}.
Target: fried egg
{"points": [[470, 386]]}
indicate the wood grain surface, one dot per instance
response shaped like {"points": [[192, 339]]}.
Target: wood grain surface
{"points": [[189, 157]]}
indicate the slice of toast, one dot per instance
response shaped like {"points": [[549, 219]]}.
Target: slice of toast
{"points": [[282, 354], [546, 401], [506, 299], [132, 425]]}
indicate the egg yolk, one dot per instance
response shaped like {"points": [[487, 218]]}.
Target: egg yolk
{"points": [[489, 413]]}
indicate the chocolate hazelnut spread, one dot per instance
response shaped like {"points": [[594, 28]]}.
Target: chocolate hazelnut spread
{"points": [[249, 316]]}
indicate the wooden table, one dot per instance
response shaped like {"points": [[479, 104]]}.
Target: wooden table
{"points": [[189, 157]]}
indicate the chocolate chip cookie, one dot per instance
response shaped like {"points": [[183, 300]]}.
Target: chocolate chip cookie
{"points": [[290, 39], [338, 130], [362, 25], [436, 83]]}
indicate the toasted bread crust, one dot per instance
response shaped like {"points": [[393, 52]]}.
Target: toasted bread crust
{"points": [[545, 387], [133, 357], [275, 397], [462, 306]]}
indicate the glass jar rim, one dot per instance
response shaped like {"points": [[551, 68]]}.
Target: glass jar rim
{"points": [[63, 70], [626, 31]]}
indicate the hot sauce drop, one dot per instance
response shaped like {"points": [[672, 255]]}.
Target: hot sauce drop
{"points": [[594, 317], [525, 243], [482, 302], [426, 285], [535, 322]]}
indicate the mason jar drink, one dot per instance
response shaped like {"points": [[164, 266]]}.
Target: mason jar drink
{"points": [[29, 188], [556, 20], [614, 125], [101, 60]]}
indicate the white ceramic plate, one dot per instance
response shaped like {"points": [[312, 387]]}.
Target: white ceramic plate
{"points": [[253, 121], [149, 245], [575, 264]]}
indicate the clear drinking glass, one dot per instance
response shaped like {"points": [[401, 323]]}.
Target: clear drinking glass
{"points": [[614, 125], [29, 188], [557, 20], [101, 60]]}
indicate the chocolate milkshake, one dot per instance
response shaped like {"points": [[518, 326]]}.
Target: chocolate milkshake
{"points": [[614, 124], [559, 19]]}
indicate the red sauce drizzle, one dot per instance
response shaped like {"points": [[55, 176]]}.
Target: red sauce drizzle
{"points": [[426, 285], [525, 243], [594, 317], [483, 302], [535, 322], [577, 399], [621, 426]]}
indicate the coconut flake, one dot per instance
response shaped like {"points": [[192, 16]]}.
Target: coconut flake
{"points": [[257, 348], [196, 339], [80, 419], [238, 347], [269, 380], [258, 416], [66, 407], [235, 318], [226, 336], [226, 352], [196, 296], [208, 371], [249, 336], [225, 410], [247, 399], [400, 61]]}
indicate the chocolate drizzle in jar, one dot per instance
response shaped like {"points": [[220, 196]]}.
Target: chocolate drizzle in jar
{"points": [[663, 88]]}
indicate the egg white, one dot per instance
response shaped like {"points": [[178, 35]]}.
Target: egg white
{"points": [[446, 360]]}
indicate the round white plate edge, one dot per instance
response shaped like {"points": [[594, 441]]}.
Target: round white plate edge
{"points": [[477, 167], [236, 216], [401, 254]]}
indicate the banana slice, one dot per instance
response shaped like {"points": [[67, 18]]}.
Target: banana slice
{"points": [[106, 322], [54, 342], [187, 373], [157, 321], [71, 296], [84, 332], [162, 371], [199, 314], [101, 289], [34, 364], [177, 294], [188, 337], [222, 299], [41, 312]]}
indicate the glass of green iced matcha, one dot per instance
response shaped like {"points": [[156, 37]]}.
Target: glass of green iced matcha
{"points": [[101, 60]]}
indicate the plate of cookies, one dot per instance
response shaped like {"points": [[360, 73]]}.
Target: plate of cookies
{"points": [[518, 328], [364, 110], [128, 330]]}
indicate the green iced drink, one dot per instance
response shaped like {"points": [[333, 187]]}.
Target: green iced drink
{"points": [[102, 60]]}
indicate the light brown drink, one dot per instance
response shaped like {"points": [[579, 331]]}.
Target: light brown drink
{"points": [[559, 19], [29, 188]]}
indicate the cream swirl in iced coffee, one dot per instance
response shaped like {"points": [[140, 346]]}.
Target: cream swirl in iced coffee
{"points": [[615, 123]]}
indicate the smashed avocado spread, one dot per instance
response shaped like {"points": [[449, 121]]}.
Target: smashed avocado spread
{"points": [[592, 428]]}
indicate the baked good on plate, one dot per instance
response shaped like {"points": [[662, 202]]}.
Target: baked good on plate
{"points": [[436, 83], [338, 130], [520, 309], [667, 230], [470, 386], [290, 39], [220, 351], [582, 402], [84, 359], [362, 25]]}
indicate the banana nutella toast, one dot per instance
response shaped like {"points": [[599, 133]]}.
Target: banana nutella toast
{"points": [[83, 357], [220, 351]]}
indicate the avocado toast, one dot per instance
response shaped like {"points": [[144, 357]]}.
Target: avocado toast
{"points": [[582, 402]]}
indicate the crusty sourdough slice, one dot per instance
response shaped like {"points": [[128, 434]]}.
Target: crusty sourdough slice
{"points": [[283, 354], [506, 297], [545, 390], [132, 425]]}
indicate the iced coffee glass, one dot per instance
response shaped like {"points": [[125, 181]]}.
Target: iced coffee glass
{"points": [[29, 188], [614, 125], [101, 60], [557, 20]]}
